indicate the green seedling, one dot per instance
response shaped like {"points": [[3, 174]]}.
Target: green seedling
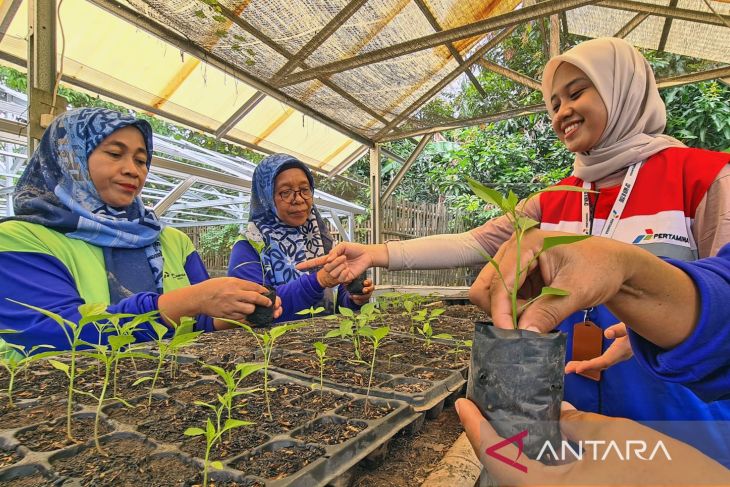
{"points": [[232, 380], [460, 347], [212, 435], [183, 335], [368, 314], [348, 328], [119, 348], [321, 350], [15, 359], [426, 330], [72, 331], [265, 341], [521, 224], [376, 337], [311, 312]]}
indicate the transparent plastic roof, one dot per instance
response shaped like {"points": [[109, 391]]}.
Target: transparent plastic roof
{"points": [[320, 79]]}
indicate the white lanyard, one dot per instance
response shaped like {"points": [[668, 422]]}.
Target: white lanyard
{"points": [[618, 206]]}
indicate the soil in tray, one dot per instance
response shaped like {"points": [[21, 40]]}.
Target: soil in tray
{"points": [[283, 418], [28, 414], [140, 412], [321, 401], [330, 431], [9, 457], [33, 480], [456, 327], [202, 391], [278, 463], [168, 423], [339, 371], [238, 441], [433, 375], [466, 312], [356, 410], [37, 384], [411, 386], [52, 436]]}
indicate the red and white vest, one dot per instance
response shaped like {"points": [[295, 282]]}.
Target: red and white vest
{"points": [[660, 209]]}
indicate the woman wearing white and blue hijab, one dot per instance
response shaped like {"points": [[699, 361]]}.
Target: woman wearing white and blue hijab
{"points": [[285, 229], [81, 234]]}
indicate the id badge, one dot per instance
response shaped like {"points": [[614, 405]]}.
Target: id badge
{"points": [[587, 345]]}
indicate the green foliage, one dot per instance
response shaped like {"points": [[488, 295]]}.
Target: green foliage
{"points": [[218, 239], [699, 114], [265, 341], [15, 358], [376, 337], [183, 335], [321, 350]]}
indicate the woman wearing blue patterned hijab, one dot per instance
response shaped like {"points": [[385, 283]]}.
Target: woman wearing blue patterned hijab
{"points": [[56, 191], [81, 235], [284, 229]]}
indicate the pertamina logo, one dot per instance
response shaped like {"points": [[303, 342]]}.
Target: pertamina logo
{"points": [[649, 235]]}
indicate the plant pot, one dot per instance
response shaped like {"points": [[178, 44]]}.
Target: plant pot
{"points": [[355, 287], [264, 316], [516, 380]]}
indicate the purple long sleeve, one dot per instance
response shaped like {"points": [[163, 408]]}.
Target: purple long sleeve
{"points": [[295, 295], [702, 361], [43, 281]]}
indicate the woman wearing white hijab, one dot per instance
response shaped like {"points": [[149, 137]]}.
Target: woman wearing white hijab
{"points": [[672, 200]]}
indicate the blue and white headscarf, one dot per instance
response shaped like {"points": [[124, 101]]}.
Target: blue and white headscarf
{"points": [[284, 245], [56, 191]]}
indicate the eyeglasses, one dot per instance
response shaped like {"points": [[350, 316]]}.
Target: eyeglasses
{"points": [[289, 195]]}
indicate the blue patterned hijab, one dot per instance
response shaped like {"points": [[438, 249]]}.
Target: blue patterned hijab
{"points": [[284, 245], [56, 191]]}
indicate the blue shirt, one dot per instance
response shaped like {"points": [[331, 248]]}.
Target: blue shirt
{"points": [[296, 295]]}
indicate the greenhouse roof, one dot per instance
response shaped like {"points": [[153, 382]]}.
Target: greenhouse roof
{"points": [[324, 80], [187, 186]]}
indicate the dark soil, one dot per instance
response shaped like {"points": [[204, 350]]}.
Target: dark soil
{"points": [[32, 480], [467, 312], [408, 386], [120, 466], [41, 384], [27, 414], [411, 458], [321, 401], [169, 423], [202, 391], [429, 374], [52, 436], [278, 463], [330, 431], [9, 457], [356, 409], [283, 418], [140, 413], [240, 440]]}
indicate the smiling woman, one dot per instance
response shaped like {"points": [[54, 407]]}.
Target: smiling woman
{"points": [[285, 229], [82, 235]]}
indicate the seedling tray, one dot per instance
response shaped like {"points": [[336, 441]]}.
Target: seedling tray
{"points": [[159, 449]]}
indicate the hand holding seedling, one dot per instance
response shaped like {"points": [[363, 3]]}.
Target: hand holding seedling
{"points": [[221, 297], [637, 287]]}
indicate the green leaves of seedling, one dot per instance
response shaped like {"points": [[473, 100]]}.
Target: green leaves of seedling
{"points": [[550, 242]]}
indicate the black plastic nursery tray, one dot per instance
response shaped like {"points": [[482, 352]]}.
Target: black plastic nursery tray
{"points": [[315, 436]]}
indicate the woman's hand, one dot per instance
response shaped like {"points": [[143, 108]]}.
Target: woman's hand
{"points": [[367, 290], [325, 279], [618, 351], [348, 260], [222, 297], [219, 324], [628, 464]]}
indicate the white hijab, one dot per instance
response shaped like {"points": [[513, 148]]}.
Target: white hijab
{"points": [[636, 113]]}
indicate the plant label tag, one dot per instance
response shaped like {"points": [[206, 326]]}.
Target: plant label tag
{"points": [[587, 345]]}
